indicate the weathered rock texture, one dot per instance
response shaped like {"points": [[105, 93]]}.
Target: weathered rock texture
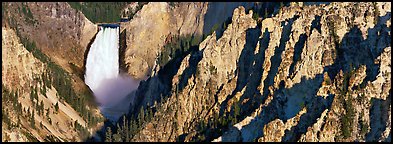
{"points": [[307, 72], [21, 71], [62, 34], [153, 26], [59, 31]]}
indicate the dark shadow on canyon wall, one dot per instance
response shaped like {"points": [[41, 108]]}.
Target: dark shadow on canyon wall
{"points": [[122, 50], [299, 46], [298, 51], [316, 23], [276, 58], [195, 58], [378, 117], [354, 49], [349, 54], [217, 13], [245, 64], [248, 73], [252, 96], [351, 51]]}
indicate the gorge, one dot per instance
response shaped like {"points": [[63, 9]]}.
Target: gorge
{"points": [[196, 71]]}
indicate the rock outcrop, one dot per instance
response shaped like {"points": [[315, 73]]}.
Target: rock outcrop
{"points": [[43, 58], [309, 73], [22, 74], [58, 31], [153, 26]]}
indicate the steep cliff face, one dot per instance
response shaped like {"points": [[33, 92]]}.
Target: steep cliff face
{"points": [[163, 20], [156, 23], [34, 118], [309, 73], [44, 97], [194, 97], [59, 31]]}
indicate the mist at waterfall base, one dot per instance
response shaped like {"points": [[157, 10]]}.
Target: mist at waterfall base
{"points": [[112, 90]]}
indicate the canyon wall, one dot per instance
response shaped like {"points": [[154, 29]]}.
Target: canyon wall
{"points": [[309, 73]]}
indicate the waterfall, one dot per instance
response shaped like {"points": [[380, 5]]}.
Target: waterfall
{"points": [[111, 89], [103, 59]]}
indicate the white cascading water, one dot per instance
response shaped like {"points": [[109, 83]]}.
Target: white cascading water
{"points": [[111, 89]]}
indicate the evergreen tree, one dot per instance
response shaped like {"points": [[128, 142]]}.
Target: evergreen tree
{"points": [[42, 107], [236, 109], [120, 132], [141, 116], [108, 135], [57, 106], [44, 91], [32, 121], [31, 95], [28, 112], [150, 114], [18, 123], [35, 93], [133, 126], [75, 124], [125, 129], [116, 138], [47, 113]]}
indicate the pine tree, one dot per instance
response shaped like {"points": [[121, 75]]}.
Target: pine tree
{"points": [[42, 107], [43, 84], [120, 132], [236, 109], [108, 135], [44, 91], [57, 106], [133, 126], [116, 137], [32, 121], [125, 129], [150, 113], [35, 93], [141, 116], [18, 123], [75, 124], [28, 112], [47, 112], [31, 95]]}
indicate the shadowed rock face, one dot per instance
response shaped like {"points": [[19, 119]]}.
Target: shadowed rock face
{"points": [[217, 12], [156, 23], [306, 73], [277, 75]]}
